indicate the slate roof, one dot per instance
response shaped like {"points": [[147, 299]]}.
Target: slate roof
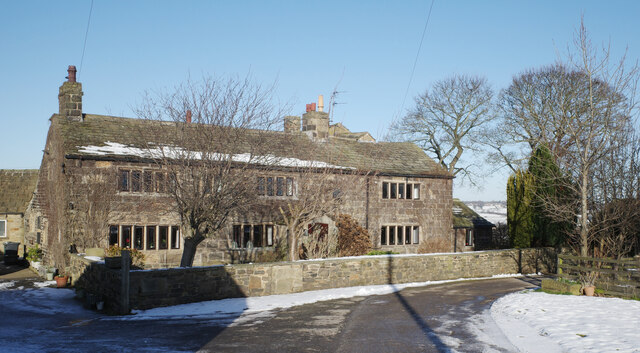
{"points": [[465, 217], [390, 158], [16, 189]]}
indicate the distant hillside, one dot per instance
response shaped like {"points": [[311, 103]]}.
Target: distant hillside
{"points": [[493, 211]]}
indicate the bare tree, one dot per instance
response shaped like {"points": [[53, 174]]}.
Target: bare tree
{"points": [[446, 122], [94, 194], [210, 138], [582, 111], [534, 111], [320, 192]]}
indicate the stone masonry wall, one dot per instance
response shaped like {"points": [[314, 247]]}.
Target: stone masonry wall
{"points": [[153, 288]]}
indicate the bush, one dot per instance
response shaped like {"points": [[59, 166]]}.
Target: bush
{"points": [[435, 245], [353, 240], [34, 254], [137, 257]]}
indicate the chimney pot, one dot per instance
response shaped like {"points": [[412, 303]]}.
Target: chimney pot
{"points": [[313, 107], [188, 116], [308, 108], [320, 103], [72, 73]]}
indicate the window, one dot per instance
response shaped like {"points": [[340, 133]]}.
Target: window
{"points": [[151, 237], [113, 235], [246, 236], [3, 229], [138, 237], [270, 186], [407, 235], [279, 186], [175, 237], [163, 241], [468, 239], [269, 229], [408, 191], [160, 182], [274, 186], [399, 235], [289, 186], [148, 181], [126, 237], [123, 180], [258, 235], [38, 237]]}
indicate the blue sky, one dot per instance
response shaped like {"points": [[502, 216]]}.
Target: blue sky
{"points": [[369, 47]]}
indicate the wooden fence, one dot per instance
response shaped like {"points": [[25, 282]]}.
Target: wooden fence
{"points": [[619, 278]]}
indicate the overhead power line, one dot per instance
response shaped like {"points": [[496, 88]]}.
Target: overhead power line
{"points": [[86, 35], [415, 62]]}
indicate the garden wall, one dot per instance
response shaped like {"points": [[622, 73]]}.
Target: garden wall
{"points": [[163, 287]]}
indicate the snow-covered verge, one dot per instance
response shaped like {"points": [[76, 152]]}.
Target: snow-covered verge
{"points": [[541, 322], [241, 307]]}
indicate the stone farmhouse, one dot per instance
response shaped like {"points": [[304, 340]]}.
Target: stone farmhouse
{"points": [[16, 191], [95, 189]]}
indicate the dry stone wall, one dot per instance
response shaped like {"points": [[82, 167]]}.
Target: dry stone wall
{"points": [[163, 287]]}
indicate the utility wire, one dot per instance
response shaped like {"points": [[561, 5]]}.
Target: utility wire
{"points": [[415, 62], [86, 34]]}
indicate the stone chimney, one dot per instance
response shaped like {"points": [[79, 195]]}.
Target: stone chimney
{"points": [[70, 97], [291, 124], [315, 123]]}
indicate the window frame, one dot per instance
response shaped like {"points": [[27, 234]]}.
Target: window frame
{"points": [[174, 237], [3, 228], [124, 180], [468, 237], [400, 190]]}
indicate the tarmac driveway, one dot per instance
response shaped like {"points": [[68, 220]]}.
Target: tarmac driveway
{"points": [[438, 318]]}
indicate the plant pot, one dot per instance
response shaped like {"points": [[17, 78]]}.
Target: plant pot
{"points": [[589, 291], [100, 305], [61, 282], [49, 276], [113, 261]]}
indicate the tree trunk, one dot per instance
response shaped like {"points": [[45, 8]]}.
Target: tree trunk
{"points": [[293, 244], [189, 251], [584, 223]]}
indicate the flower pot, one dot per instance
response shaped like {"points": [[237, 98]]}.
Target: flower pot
{"points": [[49, 276], [61, 282], [100, 305], [589, 291]]}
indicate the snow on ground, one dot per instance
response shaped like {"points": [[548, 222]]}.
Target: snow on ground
{"points": [[541, 322], [7, 285]]}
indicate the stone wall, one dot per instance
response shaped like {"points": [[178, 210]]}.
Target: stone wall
{"points": [[94, 278], [153, 288]]}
